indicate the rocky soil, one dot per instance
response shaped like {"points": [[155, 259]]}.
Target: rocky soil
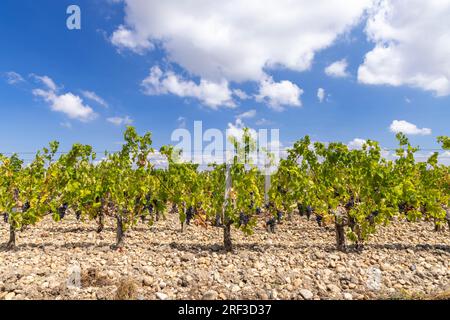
{"points": [[403, 260]]}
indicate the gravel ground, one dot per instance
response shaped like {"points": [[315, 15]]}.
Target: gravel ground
{"points": [[401, 261]]}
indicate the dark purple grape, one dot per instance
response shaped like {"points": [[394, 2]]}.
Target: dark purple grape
{"points": [[78, 214], [258, 211], [243, 219], [372, 216], [189, 215], [26, 206], [402, 207], [301, 209], [62, 210], [309, 211], [279, 216], [270, 224], [269, 205], [5, 217], [319, 220], [350, 204]]}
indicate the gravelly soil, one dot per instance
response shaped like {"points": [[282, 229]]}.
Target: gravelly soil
{"points": [[299, 261]]}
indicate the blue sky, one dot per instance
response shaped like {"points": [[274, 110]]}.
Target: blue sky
{"points": [[36, 43]]}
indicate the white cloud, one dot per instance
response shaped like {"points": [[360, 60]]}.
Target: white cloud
{"points": [[337, 69], [159, 160], [94, 97], [119, 121], [68, 103], [241, 94], [209, 93], [13, 77], [237, 40], [247, 114], [321, 94], [237, 130], [47, 81], [356, 143], [412, 45], [279, 94], [124, 38], [408, 128]]}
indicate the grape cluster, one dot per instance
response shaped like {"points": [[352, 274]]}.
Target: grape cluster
{"points": [[301, 210], [26, 206], [243, 219], [319, 220], [279, 216], [189, 215], [403, 207], [309, 211], [258, 211], [269, 205], [62, 210], [5, 217], [350, 204], [372, 216], [304, 210], [270, 224]]}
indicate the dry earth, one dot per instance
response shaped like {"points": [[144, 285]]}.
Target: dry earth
{"points": [[403, 260]]}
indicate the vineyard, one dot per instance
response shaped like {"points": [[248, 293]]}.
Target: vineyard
{"points": [[335, 204]]}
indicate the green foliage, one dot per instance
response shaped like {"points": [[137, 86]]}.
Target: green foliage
{"points": [[326, 177]]}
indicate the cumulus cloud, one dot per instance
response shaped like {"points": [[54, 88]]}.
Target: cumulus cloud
{"points": [[247, 114], [356, 143], [212, 94], [68, 103], [13, 77], [412, 45], [119, 121], [237, 40], [408, 128], [124, 38], [279, 94], [94, 97], [337, 69], [321, 94]]}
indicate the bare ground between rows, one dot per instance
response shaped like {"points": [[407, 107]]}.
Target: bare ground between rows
{"points": [[299, 261]]}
